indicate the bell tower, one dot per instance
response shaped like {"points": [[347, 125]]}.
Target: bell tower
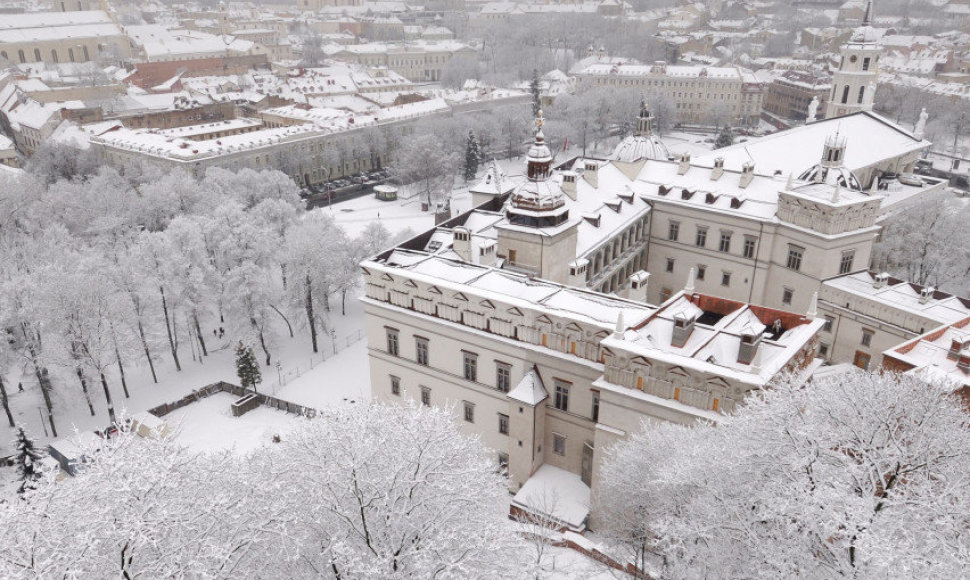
{"points": [[854, 84], [644, 122]]}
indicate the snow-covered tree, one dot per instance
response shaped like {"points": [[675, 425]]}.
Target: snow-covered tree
{"points": [[27, 460], [396, 492], [534, 90], [472, 156], [858, 475], [725, 138], [421, 159], [928, 243], [247, 369]]}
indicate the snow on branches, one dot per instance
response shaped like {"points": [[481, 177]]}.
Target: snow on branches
{"points": [[860, 475]]}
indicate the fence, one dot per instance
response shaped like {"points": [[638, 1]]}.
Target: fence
{"points": [[224, 387], [286, 376]]}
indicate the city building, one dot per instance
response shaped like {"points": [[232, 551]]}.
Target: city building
{"points": [[419, 61], [699, 94], [61, 37], [941, 354], [789, 95]]}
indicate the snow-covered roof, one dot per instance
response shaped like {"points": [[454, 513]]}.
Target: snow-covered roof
{"points": [[530, 389], [933, 355], [939, 307], [871, 139]]}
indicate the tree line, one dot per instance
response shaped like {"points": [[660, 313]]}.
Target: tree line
{"points": [[103, 271]]}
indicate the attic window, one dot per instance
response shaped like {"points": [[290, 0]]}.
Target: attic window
{"points": [[593, 219], [686, 194], [736, 202], [434, 245], [662, 190], [627, 197], [613, 205], [710, 198]]}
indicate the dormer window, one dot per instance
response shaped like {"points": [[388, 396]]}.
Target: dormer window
{"points": [[683, 327]]}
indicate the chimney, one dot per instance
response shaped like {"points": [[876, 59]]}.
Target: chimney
{"points": [[684, 164], [577, 272], [462, 243], [963, 363], [925, 294], [683, 327], [956, 346], [486, 253], [569, 184], [747, 174], [813, 306], [881, 279], [718, 170], [638, 286], [750, 341], [620, 327], [591, 173]]}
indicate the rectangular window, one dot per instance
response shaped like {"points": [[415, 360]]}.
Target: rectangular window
{"points": [[786, 295], [426, 396], [421, 350], [558, 444], [392, 343], [395, 385], [828, 324], [503, 461], [470, 360], [503, 377], [823, 349], [469, 412], [670, 264], [701, 239], [674, 232], [725, 245], [701, 270], [845, 265], [725, 279], [749, 246], [503, 424], [865, 63], [795, 254], [866, 338], [562, 396], [595, 414]]}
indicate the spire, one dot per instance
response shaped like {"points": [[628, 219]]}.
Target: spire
{"points": [[644, 121], [539, 157], [689, 288], [620, 327], [867, 19], [813, 306]]}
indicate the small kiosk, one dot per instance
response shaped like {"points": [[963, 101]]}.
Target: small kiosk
{"points": [[385, 192]]}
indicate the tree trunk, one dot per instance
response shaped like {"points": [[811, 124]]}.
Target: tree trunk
{"points": [[168, 329], [43, 379], [84, 387], [148, 354], [107, 397], [6, 405], [121, 371], [198, 333], [326, 300], [343, 302], [308, 303], [285, 319], [262, 340]]}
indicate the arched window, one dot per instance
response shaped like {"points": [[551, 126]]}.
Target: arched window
{"points": [[3, 54], [87, 57], [37, 57], [20, 53], [845, 94], [70, 54], [54, 55], [862, 93]]}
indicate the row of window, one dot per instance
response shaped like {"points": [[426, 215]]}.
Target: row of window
{"points": [[467, 407], [37, 57], [724, 242], [795, 253], [503, 371]]}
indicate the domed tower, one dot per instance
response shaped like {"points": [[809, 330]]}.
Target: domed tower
{"points": [[539, 202], [537, 235], [854, 84], [831, 168], [643, 144]]}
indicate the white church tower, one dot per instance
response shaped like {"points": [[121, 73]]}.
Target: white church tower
{"points": [[854, 84]]}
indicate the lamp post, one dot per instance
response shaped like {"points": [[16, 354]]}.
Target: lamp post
{"points": [[279, 373]]}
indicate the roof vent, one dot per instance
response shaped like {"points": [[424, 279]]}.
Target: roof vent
{"points": [[925, 294], [718, 170], [684, 164], [747, 175], [881, 279]]}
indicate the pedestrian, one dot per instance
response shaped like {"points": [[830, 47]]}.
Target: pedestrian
{"points": [[20, 387], [214, 332]]}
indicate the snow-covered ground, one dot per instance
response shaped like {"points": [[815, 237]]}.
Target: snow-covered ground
{"points": [[207, 425]]}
